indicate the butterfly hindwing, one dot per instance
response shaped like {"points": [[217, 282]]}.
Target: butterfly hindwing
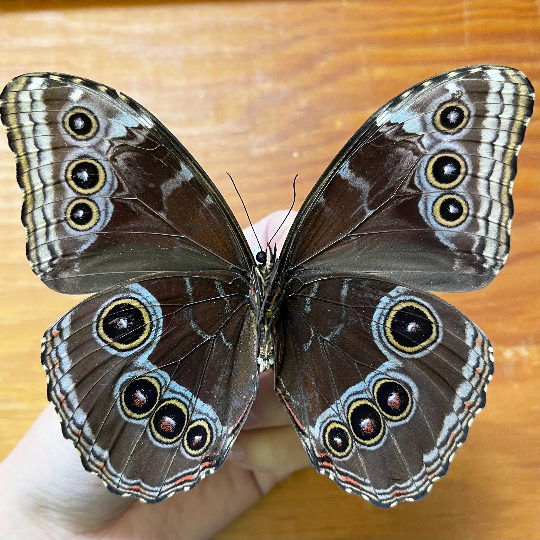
{"points": [[153, 379], [107, 188], [381, 382], [421, 194]]}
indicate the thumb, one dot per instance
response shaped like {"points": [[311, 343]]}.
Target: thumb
{"points": [[43, 480]]}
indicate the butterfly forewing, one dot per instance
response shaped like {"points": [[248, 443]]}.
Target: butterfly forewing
{"points": [[109, 193], [422, 193]]}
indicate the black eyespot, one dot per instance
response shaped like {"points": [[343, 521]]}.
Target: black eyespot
{"points": [[366, 422], [124, 324], [261, 257], [169, 421], [140, 396], [85, 176], [337, 439], [81, 123], [82, 214], [411, 327], [451, 117], [197, 438], [450, 210], [393, 399], [446, 170]]}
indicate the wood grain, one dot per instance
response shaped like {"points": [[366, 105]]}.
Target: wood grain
{"points": [[264, 91]]}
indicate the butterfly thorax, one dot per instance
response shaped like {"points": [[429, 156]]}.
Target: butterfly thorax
{"points": [[265, 295]]}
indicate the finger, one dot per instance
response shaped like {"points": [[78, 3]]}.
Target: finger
{"points": [[274, 451], [265, 229], [267, 410]]}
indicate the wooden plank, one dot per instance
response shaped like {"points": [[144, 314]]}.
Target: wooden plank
{"points": [[264, 91]]}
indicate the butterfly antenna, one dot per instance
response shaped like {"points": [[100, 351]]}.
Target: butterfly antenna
{"points": [[245, 210], [290, 209]]}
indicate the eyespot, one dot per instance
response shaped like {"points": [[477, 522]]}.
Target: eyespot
{"points": [[139, 398], [337, 439], [82, 214], [366, 422], [168, 421], [81, 123], [85, 176], [197, 438], [124, 324], [410, 327], [451, 117], [393, 399], [450, 210], [446, 170]]}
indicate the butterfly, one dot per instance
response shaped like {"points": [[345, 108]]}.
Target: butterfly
{"points": [[154, 375]]}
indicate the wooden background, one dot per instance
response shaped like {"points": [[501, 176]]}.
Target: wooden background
{"points": [[264, 91]]}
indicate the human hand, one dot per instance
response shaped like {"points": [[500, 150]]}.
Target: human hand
{"points": [[46, 493]]}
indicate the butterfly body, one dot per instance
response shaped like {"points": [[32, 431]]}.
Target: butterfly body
{"points": [[154, 375], [266, 295]]}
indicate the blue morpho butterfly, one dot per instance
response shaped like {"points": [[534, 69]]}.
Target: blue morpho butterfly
{"points": [[154, 375]]}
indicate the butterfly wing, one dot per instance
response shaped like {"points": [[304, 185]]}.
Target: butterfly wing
{"points": [[381, 381], [153, 379], [109, 193], [421, 194]]}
